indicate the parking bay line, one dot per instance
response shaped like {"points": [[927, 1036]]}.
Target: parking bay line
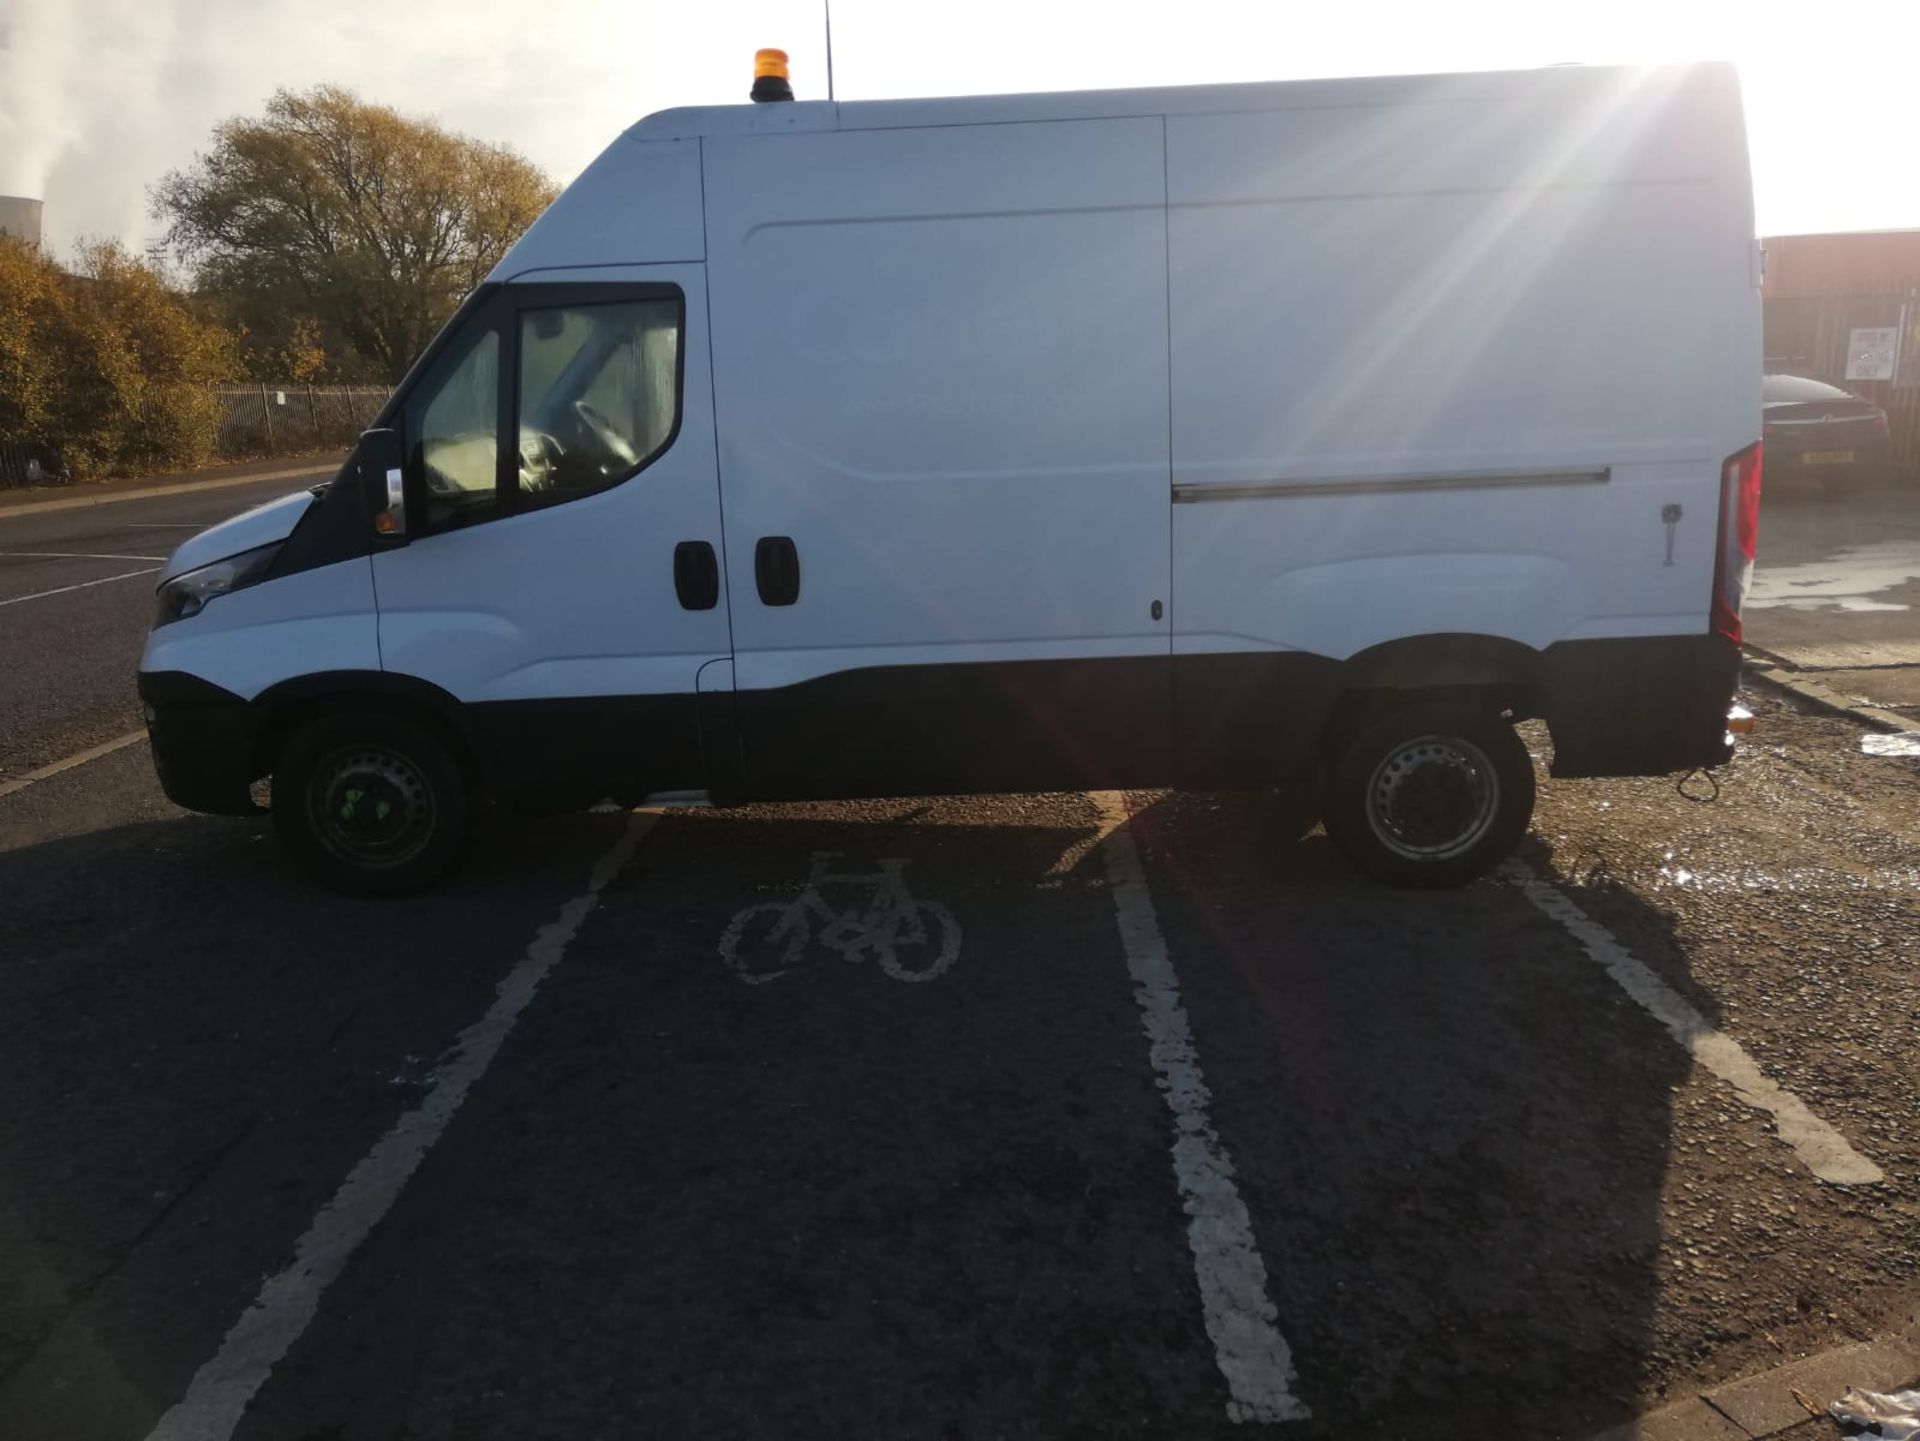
{"points": [[69, 555], [43, 594], [78, 758], [287, 1302], [1247, 1347], [1826, 1152]]}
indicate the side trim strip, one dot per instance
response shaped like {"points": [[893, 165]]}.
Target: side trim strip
{"points": [[1194, 491]]}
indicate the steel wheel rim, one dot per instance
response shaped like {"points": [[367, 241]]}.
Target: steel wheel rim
{"points": [[371, 806], [1433, 798]]}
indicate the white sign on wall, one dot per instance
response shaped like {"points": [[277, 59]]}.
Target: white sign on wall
{"points": [[1871, 351]]}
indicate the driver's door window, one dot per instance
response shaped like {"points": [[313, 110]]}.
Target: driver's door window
{"points": [[455, 429], [598, 395]]}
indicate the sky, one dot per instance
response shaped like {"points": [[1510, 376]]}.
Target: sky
{"points": [[100, 98]]}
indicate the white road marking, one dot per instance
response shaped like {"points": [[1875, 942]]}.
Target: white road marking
{"points": [[69, 555], [43, 594], [79, 758], [1824, 1149], [890, 919], [1247, 1347], [287, 1302], [1081, 848]]}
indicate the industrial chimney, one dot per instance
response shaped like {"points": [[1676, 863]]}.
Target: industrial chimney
{"points": [[20, 218]]}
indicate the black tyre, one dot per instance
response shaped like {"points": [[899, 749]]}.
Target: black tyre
{"points": [[371, 804], [1429, 795]]}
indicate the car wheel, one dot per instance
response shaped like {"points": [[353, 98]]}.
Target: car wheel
{"points": [[371, 804], [1429, 795]]}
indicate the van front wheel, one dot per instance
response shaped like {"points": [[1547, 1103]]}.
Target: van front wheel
{"points": [[1430, 795], [370, 804]]}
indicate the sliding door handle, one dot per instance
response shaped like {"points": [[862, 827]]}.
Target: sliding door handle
{"points": [[776, 570], [696, 575]]}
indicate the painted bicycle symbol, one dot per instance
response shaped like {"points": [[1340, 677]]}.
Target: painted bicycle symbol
{"points": [[908, 938]]}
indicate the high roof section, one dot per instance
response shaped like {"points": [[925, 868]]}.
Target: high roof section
{"points": [[803, 115], [642, 201]]}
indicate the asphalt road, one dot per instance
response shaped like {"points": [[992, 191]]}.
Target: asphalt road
{"points": [[1073, 1130], [76, 594]]}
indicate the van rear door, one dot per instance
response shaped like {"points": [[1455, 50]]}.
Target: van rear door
{"points": [[941, 384]]}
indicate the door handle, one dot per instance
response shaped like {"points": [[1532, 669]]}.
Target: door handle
{"points": [[696, 575], [776, 570]]}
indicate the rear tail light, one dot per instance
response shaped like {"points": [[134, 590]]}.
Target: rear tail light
{"points": [[1739, 535]]}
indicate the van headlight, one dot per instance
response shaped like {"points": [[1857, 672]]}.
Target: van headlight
{"points": [[188, 594]]}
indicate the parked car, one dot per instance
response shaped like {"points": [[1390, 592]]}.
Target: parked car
{"points": [[1818, 433]]}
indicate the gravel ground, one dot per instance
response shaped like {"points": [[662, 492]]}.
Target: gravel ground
{"points": [[1789, 910]]}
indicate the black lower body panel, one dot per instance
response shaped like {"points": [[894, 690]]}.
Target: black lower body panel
{"points": [[202, 739], [959, 730], [547, 756], [1641, 706], [1615, 707], [1250, 719]]}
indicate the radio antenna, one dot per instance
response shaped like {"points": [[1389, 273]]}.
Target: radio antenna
{"points": [[827, 5]]}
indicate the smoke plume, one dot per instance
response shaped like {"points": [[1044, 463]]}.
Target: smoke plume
{"points": [[100, 98]]}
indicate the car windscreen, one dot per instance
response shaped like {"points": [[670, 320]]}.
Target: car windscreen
{"points": [[1797, 388]]}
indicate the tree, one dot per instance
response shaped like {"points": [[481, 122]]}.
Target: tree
{"points": [[367, 225], [106, 367]]}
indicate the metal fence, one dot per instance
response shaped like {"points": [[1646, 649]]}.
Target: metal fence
{"points": [[23, 462], [146, 428], [283, 419]]}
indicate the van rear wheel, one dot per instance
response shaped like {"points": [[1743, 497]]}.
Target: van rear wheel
{"points": [[1430, 795], [371, 804]]}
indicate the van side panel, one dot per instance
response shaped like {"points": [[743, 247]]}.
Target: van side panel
{"points": [[941, 372], [639, 201], [1461, 368], [245, 643]]}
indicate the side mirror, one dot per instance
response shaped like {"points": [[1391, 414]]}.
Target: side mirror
{"points": [[382, 468]]}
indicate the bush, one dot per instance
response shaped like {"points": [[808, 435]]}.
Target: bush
{"points": [[105, 366]]}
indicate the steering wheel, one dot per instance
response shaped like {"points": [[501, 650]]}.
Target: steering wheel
{"points": [[611, 441], [541, 457]]}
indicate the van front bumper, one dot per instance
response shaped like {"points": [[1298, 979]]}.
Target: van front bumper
{"points": [[202, 739]]}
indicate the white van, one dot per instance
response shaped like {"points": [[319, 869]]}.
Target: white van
{"points": [[1228, 436]]}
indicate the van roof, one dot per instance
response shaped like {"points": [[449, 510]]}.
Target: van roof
{"points": [[1558, 82]]}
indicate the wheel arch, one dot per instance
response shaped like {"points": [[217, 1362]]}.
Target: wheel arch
{"points": [[1493, 672], [1446, 661], [1462, 665], [283, 708]]}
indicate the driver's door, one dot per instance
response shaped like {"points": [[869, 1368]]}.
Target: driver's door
{"points": [[562, 576]]}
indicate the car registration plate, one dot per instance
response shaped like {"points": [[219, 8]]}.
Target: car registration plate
{"points": [[1828, 457]]}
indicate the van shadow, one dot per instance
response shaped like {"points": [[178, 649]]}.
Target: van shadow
{"points": [[1453, 1131], [175, 1001], [942, 1209], [1450, 1131]]}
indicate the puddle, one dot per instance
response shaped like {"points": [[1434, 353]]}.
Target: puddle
{"points": [[1847, 580], [1736, 880], [1901, 743]]}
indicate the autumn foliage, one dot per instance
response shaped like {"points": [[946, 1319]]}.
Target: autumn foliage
{"points": [[338, 236], [105, 366], [326, 240]]}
